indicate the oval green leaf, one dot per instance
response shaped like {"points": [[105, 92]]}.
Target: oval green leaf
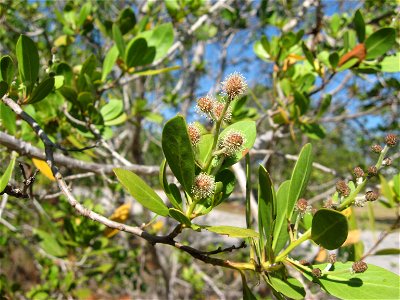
{"points": [[266, 209], [379, 42], [5, 178], [166, 186], [144, 194], [359, 25], [42, 90], [300, 176], [3, 88], [178, 151], [138, 53], [281, 234], [7, 69], [329, 229], [374, 283], [109, 62], [232, 231], [179, 216], [291, 287], [28, 62]]}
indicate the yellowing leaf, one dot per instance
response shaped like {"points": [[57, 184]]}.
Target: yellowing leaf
{"points": [[120, 215], [353, 237], [43, 168], [347, 212]]}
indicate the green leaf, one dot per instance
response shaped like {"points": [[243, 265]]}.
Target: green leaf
{"points": [[260, 51], [41, 91], [232, 231], [396, 184], [348, 64], [228, 180], [117, 121], [391, 64], [375, 283], [359, 25], [380, 42], [50, 244], [388, 251], [5, 178], [6, 69], [300, 176], [291, 287], [308, 54], [3, 88], [126, 20], [178, 151], [161, 38], [83, 14], [247, 294], [112, 109], [334, 59], [204, 148], [313, 130], [386, 190], [28, 62], [166, 187], [266, 210], [119, 40], [58, 81], [158, 71], [301, 101], [138, 53], [329, 229], [326, 102], [8, 118], [248, 129], [69, 94], [179, 216], [109, 62], [281, 234], [144, 194]]}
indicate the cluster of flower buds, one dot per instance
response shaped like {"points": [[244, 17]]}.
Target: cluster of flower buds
{"points": [[194, 133], [359, 267], [231, 143], [391, 140], [342, 188], [213, 109], [234, 85], [204, 186], [302, 207], [371, 196]]}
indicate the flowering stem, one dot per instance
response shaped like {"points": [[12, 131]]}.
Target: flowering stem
{"points": [[218, 124], [293, 245], [350, 199]]}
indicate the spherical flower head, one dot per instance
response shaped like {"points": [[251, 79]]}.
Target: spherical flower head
{"points": [[317, 273], [332, 258], [342, 188], [205, 105], [358, 172], [376, 148], [371, 196], [387, 162], [204, 186], [391, 140], [302, 207], [234, 85], [218, 109], [194, 133], [372, 171], [304, 262], [359, 267], [232, 142]]}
